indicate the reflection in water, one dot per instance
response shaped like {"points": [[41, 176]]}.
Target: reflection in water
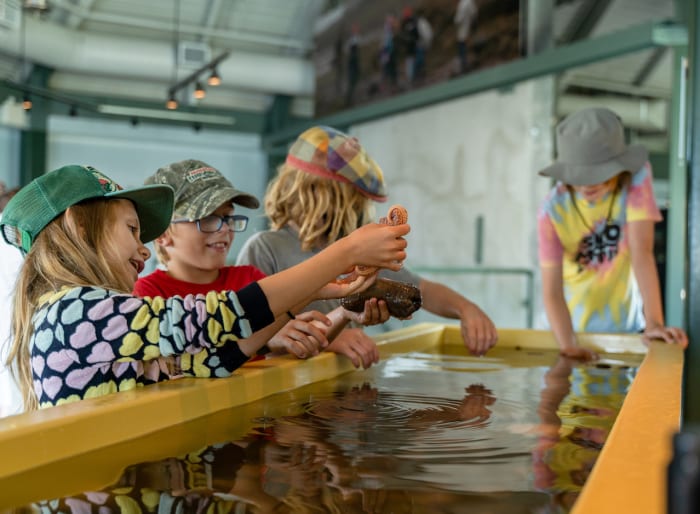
{"points": [[446, 440], [577, 410]]}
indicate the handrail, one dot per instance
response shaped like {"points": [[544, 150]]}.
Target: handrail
{"points": [[528, 302]]}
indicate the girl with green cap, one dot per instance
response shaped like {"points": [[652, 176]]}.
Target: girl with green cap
{"points": [[79, 333]]}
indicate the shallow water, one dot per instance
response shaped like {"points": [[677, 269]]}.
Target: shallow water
{"points": [[515, 432]]}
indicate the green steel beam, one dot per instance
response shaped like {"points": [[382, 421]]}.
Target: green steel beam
{"points": [[691, 389], [676, 231], [556, 60], [33, 139]]}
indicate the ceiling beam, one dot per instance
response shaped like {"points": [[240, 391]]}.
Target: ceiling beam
{"points": [[211, 14], [184, 28], [649, 66], [584, 20]]}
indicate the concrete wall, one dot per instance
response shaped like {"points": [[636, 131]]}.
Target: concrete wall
{"points": [[472, 158]]}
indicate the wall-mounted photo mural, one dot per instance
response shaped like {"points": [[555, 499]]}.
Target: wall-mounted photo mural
{"points": [[374, 49]]}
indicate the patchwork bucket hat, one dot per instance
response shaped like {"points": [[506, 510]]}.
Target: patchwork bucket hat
{"points": [[330, 153], [199, 189], [591, 149], [44, 198]]}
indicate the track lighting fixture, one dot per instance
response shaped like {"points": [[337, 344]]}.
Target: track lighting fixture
{"points": [[172, 102], [199, 91], [214, 79]]}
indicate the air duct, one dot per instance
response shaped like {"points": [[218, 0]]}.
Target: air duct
{"points": [[638, 114], [110, 56]]}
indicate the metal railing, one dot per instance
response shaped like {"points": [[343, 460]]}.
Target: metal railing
{"points": [[527, 303]]}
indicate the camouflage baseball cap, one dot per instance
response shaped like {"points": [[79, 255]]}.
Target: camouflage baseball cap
{"points": [[330, 153], [199, 189]]}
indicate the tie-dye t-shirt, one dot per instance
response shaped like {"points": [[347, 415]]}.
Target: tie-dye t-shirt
{"points": [[599, 285], [89, 342]]}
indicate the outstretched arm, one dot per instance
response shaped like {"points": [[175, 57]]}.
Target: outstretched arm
{"points": [[559, 316], [377, 245], [641, 240], [478, 331]]}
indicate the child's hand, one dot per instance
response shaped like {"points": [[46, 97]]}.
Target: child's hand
{"points": [[578, 352], [379, 245], [303, 336], [356, 346], [354, 283], [375, 313], [670, 335]]}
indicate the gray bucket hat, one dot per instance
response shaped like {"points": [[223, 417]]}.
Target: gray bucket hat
{"points": [[591, 149], [199, 189]]}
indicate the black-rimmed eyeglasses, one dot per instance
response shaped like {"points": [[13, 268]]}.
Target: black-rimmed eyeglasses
{"points": [[213, 223]]}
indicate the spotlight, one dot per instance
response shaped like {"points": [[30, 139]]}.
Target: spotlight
{"points": [[199, 91], [27, 103], [171, 103], [214, 78], [41, 6]]}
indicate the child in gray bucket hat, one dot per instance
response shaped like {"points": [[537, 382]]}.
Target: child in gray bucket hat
{"points": [[596, 234]]}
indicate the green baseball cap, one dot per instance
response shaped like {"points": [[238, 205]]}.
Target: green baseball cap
{"points": [[39, 202], [199, 189]]}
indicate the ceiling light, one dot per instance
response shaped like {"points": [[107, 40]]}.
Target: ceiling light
{"points": [[171, 103], [199, 91], [214, 78], [36, 5], [27, 103]]}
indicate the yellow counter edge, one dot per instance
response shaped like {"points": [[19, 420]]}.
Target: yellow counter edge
{"points": [[630, 474], [630, 471]]}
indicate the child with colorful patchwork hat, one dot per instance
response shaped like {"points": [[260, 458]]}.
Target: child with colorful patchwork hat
{"points": [[596, 236], [324, 190], [78, 330], [195, 246]]}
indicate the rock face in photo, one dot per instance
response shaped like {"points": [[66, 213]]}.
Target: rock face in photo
{"points": [[381, 48]]}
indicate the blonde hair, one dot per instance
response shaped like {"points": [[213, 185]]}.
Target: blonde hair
{"points": [[617, 182], [160, 251], [73, 250], [323, 209]]}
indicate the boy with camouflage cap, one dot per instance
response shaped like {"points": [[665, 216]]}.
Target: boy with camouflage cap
{"points": [[195, 246]]}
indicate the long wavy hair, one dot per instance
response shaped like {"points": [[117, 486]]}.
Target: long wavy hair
{"points": [[75, 249], [323, 209]]}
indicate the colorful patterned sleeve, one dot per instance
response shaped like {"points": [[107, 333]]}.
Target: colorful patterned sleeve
{"points": [[641, 205], [101, 326], [88, 341]]}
